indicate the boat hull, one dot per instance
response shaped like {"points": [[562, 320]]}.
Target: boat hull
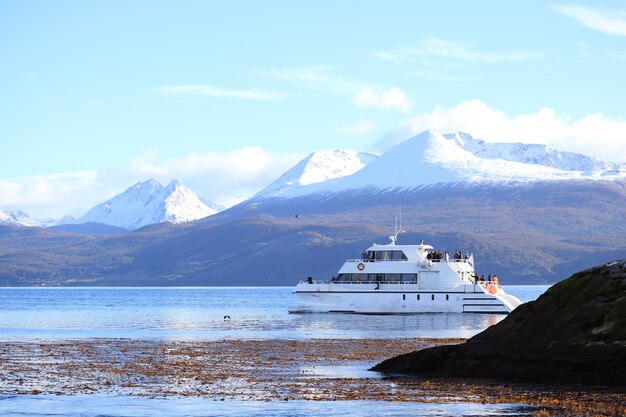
{"points": [[399, 299]]}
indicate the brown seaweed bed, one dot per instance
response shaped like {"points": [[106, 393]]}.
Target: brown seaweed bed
{"points": [[315, 369]]}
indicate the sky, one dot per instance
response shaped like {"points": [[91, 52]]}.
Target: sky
{"points": [[227, 95]]}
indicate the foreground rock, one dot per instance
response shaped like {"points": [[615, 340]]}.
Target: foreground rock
{"points": [[574, 333]]}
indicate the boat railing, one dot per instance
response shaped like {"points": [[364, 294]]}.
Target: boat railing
{"points": [[450, 260], [376, 260], [317, 281], [405, 260]]}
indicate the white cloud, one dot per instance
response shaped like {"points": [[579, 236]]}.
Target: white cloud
{"points": [[393, 98], [317, 78], [594, 134], [363, 95], [451, 50], [222, 177], [48, 196], [210, 91], [611, 22], [358, 128]]}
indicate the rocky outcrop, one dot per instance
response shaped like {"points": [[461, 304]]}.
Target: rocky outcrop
{"points": [[574, 333]]}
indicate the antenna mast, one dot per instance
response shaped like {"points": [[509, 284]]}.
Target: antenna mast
{"points": [[397, 230]]}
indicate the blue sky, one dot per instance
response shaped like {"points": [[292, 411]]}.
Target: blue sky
{"points": [[225, 96]]}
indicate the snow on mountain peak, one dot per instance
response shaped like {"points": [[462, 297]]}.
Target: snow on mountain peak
{"points": [[147, 203], [532, 154], [18, 217], [318, 167], [431, 158], [182, 205]]}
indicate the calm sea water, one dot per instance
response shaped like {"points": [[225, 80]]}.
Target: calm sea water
{"points": [[198, 313], [104, 406], [30, 314]]}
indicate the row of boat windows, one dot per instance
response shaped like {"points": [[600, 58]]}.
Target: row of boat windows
{"points": [[376, 278], [432, 297], [384, 255]]}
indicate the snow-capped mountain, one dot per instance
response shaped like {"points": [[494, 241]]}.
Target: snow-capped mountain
{"points": [[317, 167], [147, 203], [432, 158], [538, 162], [23, 219]]}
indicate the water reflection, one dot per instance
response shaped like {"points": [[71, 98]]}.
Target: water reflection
{"points": [[110, 406], [198, 313], [430, 325]]}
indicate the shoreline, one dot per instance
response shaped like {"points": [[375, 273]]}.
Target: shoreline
{"points": [[269, 370]]}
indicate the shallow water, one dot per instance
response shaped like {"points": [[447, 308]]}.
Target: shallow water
{"points": [[197, 313], [51, 314], [110, 406]]}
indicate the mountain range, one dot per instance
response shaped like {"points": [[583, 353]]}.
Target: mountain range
{"points": [[23, 219], [529, 213], [140, 205], [432, 158]]}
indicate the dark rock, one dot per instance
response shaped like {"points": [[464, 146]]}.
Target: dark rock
{"points": [[574, 333]]}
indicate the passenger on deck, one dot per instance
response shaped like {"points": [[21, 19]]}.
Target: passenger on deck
{"points": [[457, 255], [429, 256], [309, 280], [482, 277]]}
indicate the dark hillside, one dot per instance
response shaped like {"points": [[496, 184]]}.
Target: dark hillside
{"points": [[575, 332], [526, 233]]}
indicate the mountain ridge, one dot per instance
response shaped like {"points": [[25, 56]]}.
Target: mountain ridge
{"points": [[431, 158], [317, 167], [146, 203], [528, 234], [18, 217]]}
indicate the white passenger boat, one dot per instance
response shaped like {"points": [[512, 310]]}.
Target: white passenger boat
{"points": [[398, 279]]}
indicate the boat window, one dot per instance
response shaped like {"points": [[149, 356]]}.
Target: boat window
{"points": [[382, 255], [404, 296], [351, 278], [409, 277], [432, 297], [385, 255], [447, 297], [393, 277], [418, 297], [398, 255]]}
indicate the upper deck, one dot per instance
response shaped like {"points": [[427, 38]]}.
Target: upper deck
{"points": [[413, 253]]}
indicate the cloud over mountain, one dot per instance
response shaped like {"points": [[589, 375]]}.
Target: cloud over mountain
{"points": [[594, 134]]}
